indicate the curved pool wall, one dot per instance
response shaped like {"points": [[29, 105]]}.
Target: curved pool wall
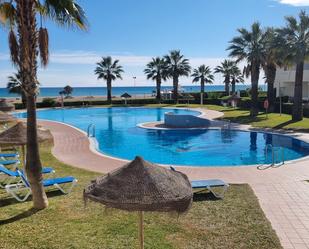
{"points": [[174, 120], [118, 136]]}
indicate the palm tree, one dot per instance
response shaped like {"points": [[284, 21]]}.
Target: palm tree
{"points": [[295, 42], [273, 59], [177, 66], [157, 70], [225, 69], [249, 47], [33, 41], [14, 85], [108, 70], [236, 77], [203, 75]]}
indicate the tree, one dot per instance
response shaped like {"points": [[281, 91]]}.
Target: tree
{"points": [[249, 47], [236, 77], [108, 70], [67, 90], [273, 59], [203, 75], [14, 85], [225, 69], [177, 66], [156, 70], [294, 41], [26, 42]]}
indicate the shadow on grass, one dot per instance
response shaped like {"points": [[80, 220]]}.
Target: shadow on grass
{"points": [[282, 125], [11, 201], [233, 110], [204, 196], [20, 216]]}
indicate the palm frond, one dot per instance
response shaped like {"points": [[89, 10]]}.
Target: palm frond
{"points": [[14, 48], [7, 14], [43, 46], [64, 12], [108, 69]]}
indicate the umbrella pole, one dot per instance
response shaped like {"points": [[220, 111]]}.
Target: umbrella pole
{"points": [[141, 229]]}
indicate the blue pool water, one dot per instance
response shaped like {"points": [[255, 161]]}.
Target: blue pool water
{"points": [[118, 136]]}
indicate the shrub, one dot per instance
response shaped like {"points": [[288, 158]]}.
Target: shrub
{"points": [[244, 93], [245, 103], [47, 102]]}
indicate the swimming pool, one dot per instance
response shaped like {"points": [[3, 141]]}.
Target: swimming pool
{"points": [[117, 135]]}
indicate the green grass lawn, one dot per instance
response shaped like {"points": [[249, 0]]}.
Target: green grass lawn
{"points": [[272, 120], [235, 222]]}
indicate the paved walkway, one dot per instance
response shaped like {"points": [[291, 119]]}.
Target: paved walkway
{"points": [[283, 192]]}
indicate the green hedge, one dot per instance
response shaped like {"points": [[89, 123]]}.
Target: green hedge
{"points": [[245, 103]]}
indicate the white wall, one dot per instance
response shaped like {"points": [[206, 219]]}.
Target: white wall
{"points": [[287, 79]]}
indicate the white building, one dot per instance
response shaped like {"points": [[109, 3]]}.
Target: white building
{"points": [[285, 79]]}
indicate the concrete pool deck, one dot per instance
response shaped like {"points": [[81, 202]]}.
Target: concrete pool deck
{"points": [[283, 192]]}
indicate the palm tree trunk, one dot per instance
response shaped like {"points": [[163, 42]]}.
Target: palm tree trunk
{"points": [[255, 73], [23, 99], [28, 45], [33, 164], [109, 91], [158, 96], [298, 93], [233, 83], [270, 77], [202, 86], [227, 85], [175, 90]]}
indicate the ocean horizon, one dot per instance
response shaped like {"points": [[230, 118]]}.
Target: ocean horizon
{"points": [[117, 90]]}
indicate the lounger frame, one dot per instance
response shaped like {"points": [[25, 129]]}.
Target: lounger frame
{"points": [[23, 185], [224, 186]]}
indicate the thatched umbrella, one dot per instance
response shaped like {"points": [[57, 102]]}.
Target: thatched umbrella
{"points": [[142, 186], [125, 96], [5, 118], [17, 135], [6, 106]]}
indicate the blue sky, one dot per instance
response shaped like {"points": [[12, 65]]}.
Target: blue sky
{"points": [[135, 30]]}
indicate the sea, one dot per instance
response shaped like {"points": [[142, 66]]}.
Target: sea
{"points": [[117, 91]]}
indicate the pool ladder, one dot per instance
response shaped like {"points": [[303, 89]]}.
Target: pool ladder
{"points": [[275, 153], [227, 125], [91, 128]]}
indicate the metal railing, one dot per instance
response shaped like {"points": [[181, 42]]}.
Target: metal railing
{"points": [[90, 128], [276, 153], [227, 125]]}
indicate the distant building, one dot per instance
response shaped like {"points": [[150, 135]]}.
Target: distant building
{"points": [[285, 78]]}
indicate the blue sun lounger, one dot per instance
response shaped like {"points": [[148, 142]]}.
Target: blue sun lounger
{"points": [[9, 155], [24, 186], [10, 175], [9, 162], [202, 185], [199, 186]]}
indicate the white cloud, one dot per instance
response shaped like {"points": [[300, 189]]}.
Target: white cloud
{"points": [[90, 58], [76, 68], [295, 2]]}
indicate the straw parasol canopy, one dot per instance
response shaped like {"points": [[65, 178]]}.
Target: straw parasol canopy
{"points": [[17, 135], [6, 106], [5, 118], [142, 186], [126, 95]]}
